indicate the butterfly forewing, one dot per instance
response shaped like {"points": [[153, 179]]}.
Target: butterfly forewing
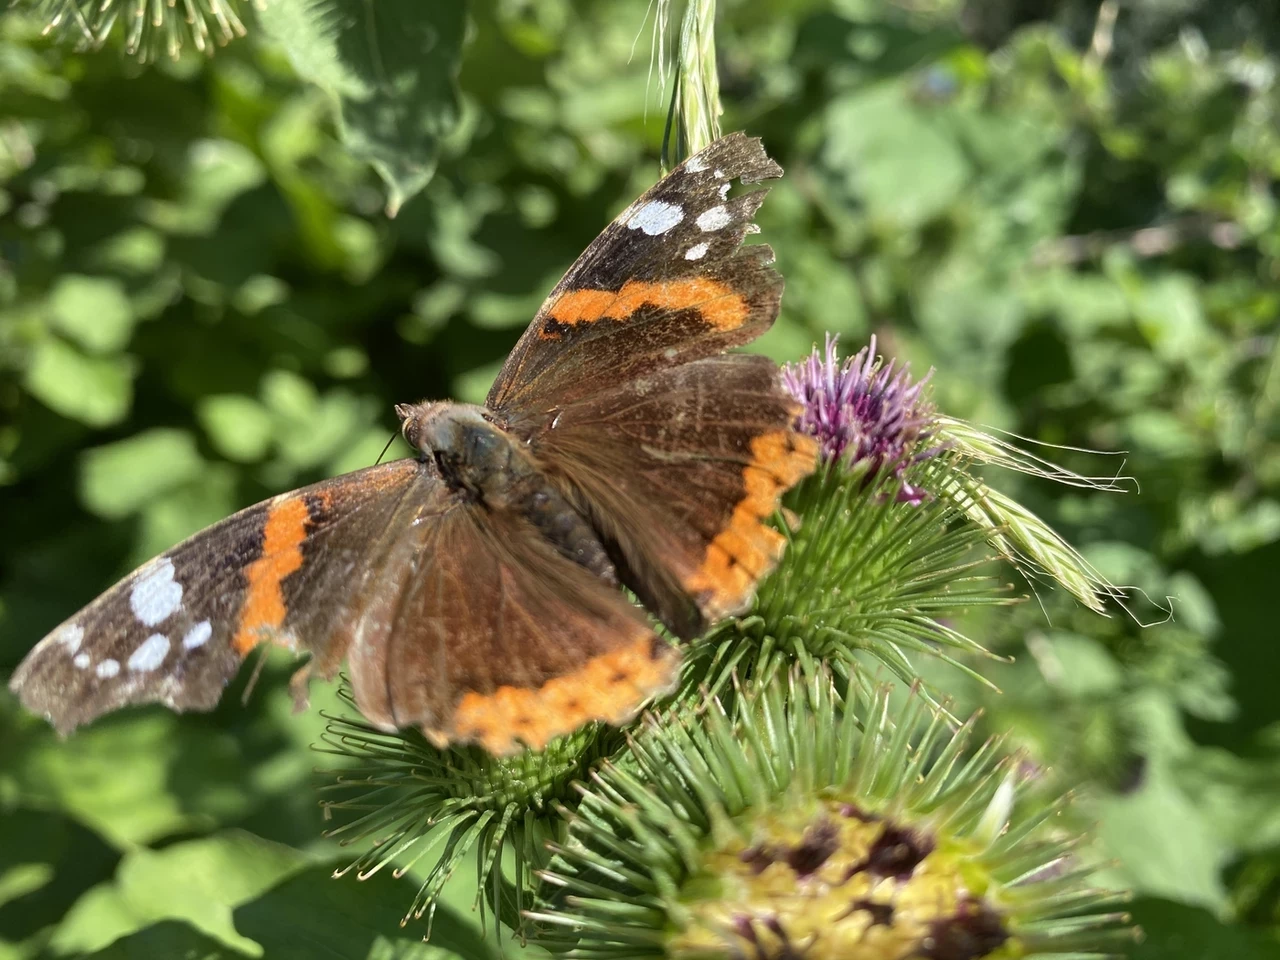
{"points": [[667, 282], [176, 630]]}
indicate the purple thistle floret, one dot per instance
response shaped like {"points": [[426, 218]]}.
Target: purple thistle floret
{"points": [[862, 411]]}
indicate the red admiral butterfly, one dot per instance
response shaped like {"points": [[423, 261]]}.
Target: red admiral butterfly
{"points": [[474, 589]]}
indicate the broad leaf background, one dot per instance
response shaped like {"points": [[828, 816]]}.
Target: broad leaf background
{"points": [[203, 302]]}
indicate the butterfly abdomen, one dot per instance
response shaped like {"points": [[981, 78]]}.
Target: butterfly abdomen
{"points": [[561, 524]]}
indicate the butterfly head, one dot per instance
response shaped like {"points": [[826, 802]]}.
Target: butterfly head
{"points": [[432, 427], [460, 437]]}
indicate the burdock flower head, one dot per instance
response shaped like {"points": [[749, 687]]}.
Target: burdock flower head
{"points": [[863, 411], [880, 563], [894, 533], [814, 825]]}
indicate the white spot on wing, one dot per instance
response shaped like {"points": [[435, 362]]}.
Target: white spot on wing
{"points": [[198, 635], [724, 190], [656, 217], [714, 219], [695, 165], [150, 653], [81, 660], [108, 668], [696, 252], [156, 596], [70, 635], [719, 172]]}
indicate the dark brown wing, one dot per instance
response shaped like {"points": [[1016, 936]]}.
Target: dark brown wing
{"points": [[679, 455], [461, 621], [667, 282], [484, 632], [176, 630], [680, 470]]}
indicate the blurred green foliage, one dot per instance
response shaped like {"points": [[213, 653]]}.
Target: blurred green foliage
{"points": [[1069, 209]]}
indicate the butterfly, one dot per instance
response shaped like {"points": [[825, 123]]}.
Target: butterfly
{"points": [[474, 590]]}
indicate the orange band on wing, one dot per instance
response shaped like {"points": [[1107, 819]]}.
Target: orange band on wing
{"points": [[720, 306], [282, 537], [610, 687], [746, 549]]}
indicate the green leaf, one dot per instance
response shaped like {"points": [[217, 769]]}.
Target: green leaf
{"points": [[235, 895], [1176, 930], [368, 448], [199, 882], [47, 862], [1139, 829], [219, 172], [198, 502], [121, 478], [1163, 434], [92, 311], [893, 156], [119, 777], [1171, 318], [498, 311], [169, 938], [473, 386], [312, 914], [309, 429], [135, 250], [96, 391], [238, 426], [1087, 667], [824, 294], [391, 67], [1238, 795], [1087, 303]]}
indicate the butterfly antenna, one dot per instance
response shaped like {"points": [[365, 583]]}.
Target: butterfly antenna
{"points": [[385, 449]]}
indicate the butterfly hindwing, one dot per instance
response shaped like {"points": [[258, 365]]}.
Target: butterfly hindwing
{"points": [[682, 469], [667, 282], [497, 638], [176, 630]]}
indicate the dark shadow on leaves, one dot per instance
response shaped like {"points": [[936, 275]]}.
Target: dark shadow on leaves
{"points": [[312, 916], [1175, 930], [170, 940], [881, 48], [79, 859]]}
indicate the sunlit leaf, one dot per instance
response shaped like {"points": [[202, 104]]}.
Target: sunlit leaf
{"points": [[237, 425], [1131, 828], [892, 157], [92, 311], [391, 68], [199, 882], [312, 912], [118, 479], [96, 391]]}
